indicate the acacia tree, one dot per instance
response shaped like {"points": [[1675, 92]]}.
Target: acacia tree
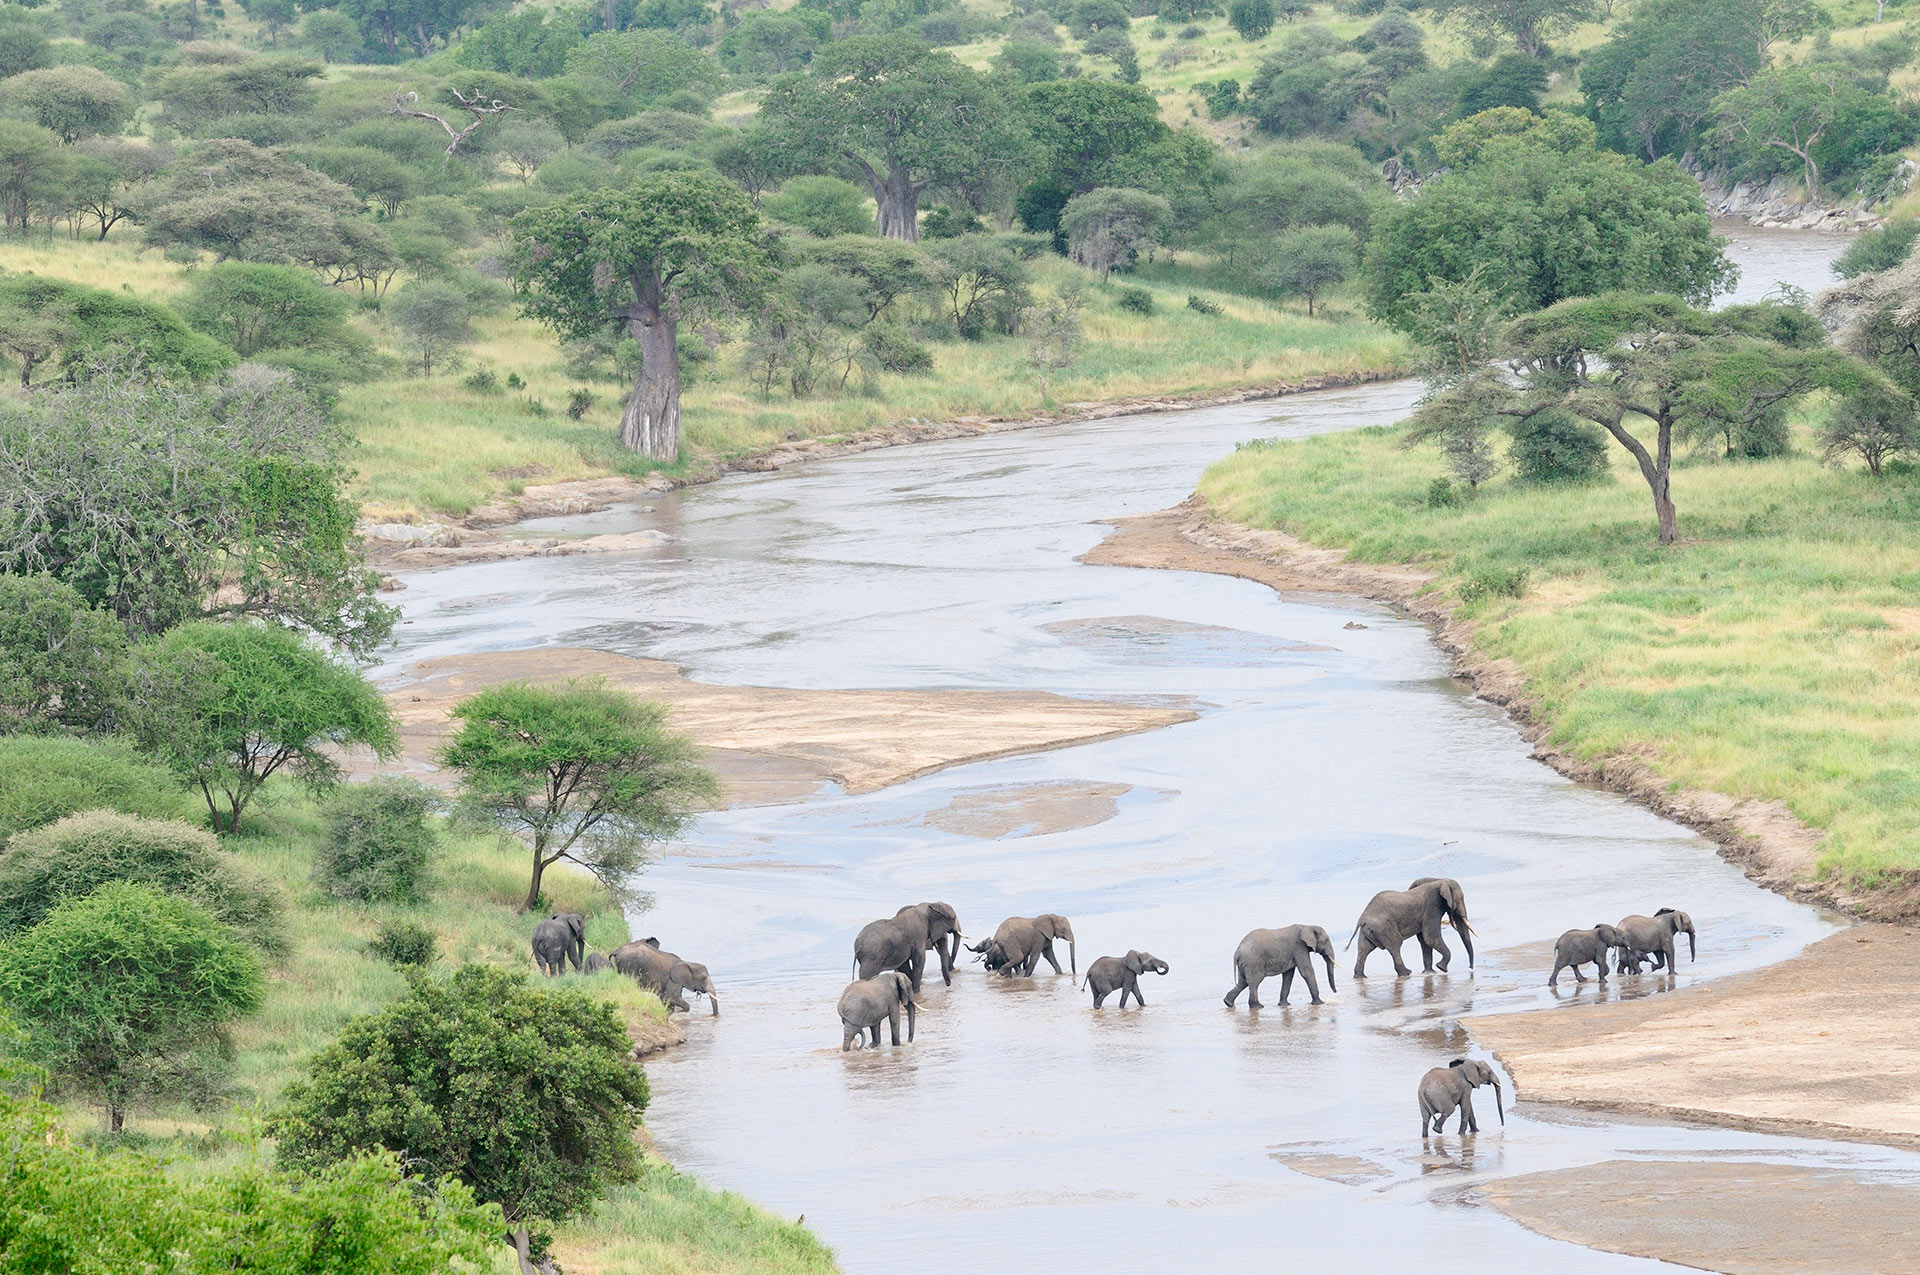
{"points": [[1308, 261], [900, 115], [72, 101], [637, 259], [1107, 228], [1528, 23], [583, 771]]}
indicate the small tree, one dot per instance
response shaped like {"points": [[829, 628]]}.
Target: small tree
{"points": [[60, 658], [123, 993], [72, 101], [823, 206], [583, 771], [254, 307], [526, 144], [105, 171], [432, 320], [331, 34], [378, 845], [1109, 227], [35, 173], [1529, 23], [1308, 261], [228, 706], [985, 282], [1790, 109], [527, 1096], [638, 259], [1054, 337], [1875, 424], [1253, 19]]}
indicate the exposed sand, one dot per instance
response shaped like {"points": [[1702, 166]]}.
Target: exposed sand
{"points": [[1709, 1215], [1822, 1045], [770, 744], [1028, 810]]}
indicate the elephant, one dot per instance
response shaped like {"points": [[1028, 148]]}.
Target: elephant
{"points": [[1122, 973], [595, 963], [1264, 953], [1654, 936], [868, 1002], [1445, 1088], [1394, 916], [901, 942], [560, 938], [1580, 947], [665, 973], [1017, 946]]}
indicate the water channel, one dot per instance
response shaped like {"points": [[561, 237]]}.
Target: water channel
{"points": [[1327, 762]]}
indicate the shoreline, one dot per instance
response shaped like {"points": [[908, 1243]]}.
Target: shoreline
{"points": [[459, 541], [1792, 1077]]}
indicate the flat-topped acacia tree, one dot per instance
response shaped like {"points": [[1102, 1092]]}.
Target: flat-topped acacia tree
{"points": [[638, 258]]}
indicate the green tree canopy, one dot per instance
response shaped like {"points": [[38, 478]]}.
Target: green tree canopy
{"points": [[71, 101], [48, 777], [163, 502], [1652, 84], [35, 174], [584, 772], [1528, 23], [527, 1096], [70, 329], [197, 97], [1793, 110], [897, 115], [822, 206], [254, 307], [60, 657], [638, 259], [1309, 261], [1545, 223], [124, 993], [236, 200], [229, 705], [1107, 228]]}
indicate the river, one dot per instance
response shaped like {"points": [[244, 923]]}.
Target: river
{"points": [[1328, 762]]}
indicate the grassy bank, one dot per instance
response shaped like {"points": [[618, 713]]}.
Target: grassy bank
{"points": [[435, 446], [1773, 654], [667, 1222]]}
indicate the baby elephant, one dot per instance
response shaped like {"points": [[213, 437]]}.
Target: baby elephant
{"points": [[1445, 1088], [868, 1002], [1584, 947], [1122, 973]]}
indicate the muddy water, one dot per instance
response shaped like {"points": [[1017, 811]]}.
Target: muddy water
{"points": [[1333, 757]]}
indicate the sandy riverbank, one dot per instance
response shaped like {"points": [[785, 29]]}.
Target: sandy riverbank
{"points": [[1821, 1045], [773, 744]]}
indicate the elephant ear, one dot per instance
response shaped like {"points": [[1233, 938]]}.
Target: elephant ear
{"points": [[1135, 964]]}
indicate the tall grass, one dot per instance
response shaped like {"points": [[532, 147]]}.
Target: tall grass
{"points": [[1773, 654]]}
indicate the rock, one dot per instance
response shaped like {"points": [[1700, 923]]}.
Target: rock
{"points": [[1353, 624], [407, 533]]}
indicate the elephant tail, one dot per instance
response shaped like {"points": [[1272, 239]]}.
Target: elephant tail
{"points": [[1357, 927]]}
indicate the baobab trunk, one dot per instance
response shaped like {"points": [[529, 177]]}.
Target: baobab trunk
{"points": [[650, 423], [899, 201]]}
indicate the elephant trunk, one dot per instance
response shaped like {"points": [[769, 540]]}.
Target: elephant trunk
{"points": [[1326, 958], [1693, 953], [1073, 959], [1498, 1105], [1466, 935], [713, 1001]]}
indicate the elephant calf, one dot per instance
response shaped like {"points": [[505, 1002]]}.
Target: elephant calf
{"points": [[1264, 953], [1584, 947], [1451, 1087], [868, 1002], [1654, 936], [1122, 974], [560, 938], [595, 963]]}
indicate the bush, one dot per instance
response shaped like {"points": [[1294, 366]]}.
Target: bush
{"points": [[1881, 248], [125, 994], [1494, 582], [1135, 300], [823, 206], [44, 867], [407, 944], [579, 403], [1556, 446], [482, 380], [60, 659], [1442, 494], [47, 778], [895, 351], [1201, 305], [378, 845]]}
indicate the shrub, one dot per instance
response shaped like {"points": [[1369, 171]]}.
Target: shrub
{"points": [[1493, 582], [895, 351], [44, 867], [823, 206], [1881, 248], [1191, 32], [407, 944], [1556, 446], [579, 403], [1442, 494], [378, 845], [47, 778], [1201, 305], [1135, 300], [126, 993], [482, 380], [60, 658]]}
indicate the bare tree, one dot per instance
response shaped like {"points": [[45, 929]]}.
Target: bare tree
{"points": [[482, 109]]}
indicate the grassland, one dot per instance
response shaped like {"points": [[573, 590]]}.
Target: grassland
{"points": [[1773, 654], [666, 1224]]}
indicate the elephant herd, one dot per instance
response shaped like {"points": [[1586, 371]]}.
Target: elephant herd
{"points": [[890, 960]]}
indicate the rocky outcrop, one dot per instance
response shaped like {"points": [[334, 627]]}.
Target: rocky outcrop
{"points": [[1781, 204]]}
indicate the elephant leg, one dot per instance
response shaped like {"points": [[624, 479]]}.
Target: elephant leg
{"points": [[1100, 997], [1047, 951], [1426, 956], [1400, 969], [1600, 967], [893, 1025], [1578, 977], [1139, 1001], [1313, 984], [1286, 985], [1367, 946], [1239, 986], [848, 1034], [1439, 945], [1553, 979], [916, 966], [1253, 990], [875, 1031]]}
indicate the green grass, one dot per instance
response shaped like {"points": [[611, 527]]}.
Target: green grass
{"points": [[1773, 654], [667, 1222]]}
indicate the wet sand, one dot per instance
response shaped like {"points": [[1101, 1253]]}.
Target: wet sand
{"points": [[1821, 1045], [770, 744]]}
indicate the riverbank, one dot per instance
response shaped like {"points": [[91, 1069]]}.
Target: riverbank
{"points": [[1801, 1071]]}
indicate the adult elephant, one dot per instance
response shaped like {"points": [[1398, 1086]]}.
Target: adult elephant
{"points": [[1654, 936], [1017, 947], [901, 942], [560, 938], [665, 974], [1264, 953], [868, 1002], [1394, 916]]}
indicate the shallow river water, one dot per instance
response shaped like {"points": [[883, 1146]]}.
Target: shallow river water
{"points": [[1328, 762]]}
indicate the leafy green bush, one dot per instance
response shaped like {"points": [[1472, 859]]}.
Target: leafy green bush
{"points": [[1881, 248], [407, 944], [60, 658], [1135, 300], [45, 867], [1494, 582], [1556, 446], [378, 845], [1442, 494], [1200, 305], [124, 994], [897, 352], [44, 778]]}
